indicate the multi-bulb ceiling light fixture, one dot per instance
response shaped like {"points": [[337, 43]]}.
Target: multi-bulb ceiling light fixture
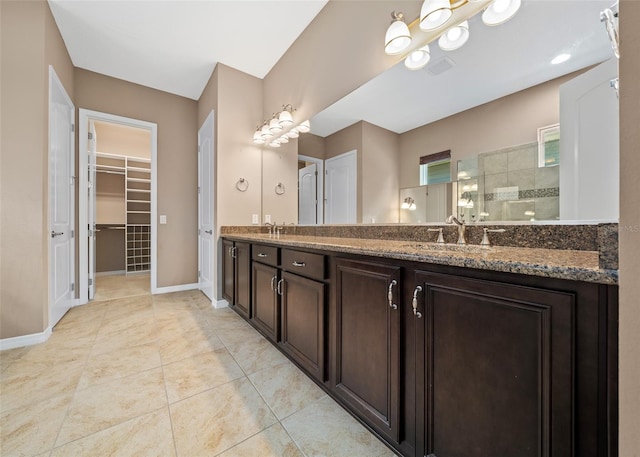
{"points": [[436, 14], [271, 130]]}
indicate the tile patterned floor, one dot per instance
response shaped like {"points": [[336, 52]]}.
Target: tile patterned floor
{"points": [[166, 375]]}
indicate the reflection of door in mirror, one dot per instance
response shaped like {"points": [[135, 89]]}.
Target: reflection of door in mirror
{"points": [[307, 197], [340, 189]]}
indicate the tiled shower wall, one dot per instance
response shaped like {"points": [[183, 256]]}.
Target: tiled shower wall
{"points": [[510, 186]]}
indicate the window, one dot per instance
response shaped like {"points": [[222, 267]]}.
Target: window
{"points": [[435, 168], [549, 146]]}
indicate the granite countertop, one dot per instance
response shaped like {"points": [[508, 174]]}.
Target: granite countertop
{"points": [[550, 263]]}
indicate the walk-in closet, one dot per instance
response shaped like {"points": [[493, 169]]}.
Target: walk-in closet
{"points": [[122, 207]]}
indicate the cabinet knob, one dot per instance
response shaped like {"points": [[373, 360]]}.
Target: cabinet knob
{"points": [[392, 305], [414, 302]]}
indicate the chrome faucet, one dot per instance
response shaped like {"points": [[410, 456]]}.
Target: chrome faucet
{"points": [[271, 228], [440, 237], [461, 228]]}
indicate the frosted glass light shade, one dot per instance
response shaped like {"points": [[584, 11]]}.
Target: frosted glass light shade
{"points": [[275, 144], [293, 133], [285, 119], [418, 58], [434, 14], [257, 137], [500, 11], [283, 139], [265, 133], [304, 127], [455, 37], [274, 126], [398, 37]]}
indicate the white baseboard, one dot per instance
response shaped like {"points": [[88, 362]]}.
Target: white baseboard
{"points": [[180, 288], [112, 273], [220, 304], [25, 340]]}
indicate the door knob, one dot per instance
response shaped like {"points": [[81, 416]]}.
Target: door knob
{"points": [[54, 234]]}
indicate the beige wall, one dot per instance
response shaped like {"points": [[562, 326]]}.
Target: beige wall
{"points": [[311, 145], [380, 171], [630, 229], [123, 140], [30, 43], [505, 122], [176, 118]]}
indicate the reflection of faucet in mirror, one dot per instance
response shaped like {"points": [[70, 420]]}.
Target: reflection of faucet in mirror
{"points": [[461, 228]]}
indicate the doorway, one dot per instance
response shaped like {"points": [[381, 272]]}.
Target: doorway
{"points": [[310, 190], [206, 211], [341, 189], [118, 190]]}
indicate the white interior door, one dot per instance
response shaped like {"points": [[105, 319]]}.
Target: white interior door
{"points": [[92, 208], [206, 223], [341, 189], [307, 194], [61, 200], [590, 146]]}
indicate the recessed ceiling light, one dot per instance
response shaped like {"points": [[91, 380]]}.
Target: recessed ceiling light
{"points": [[560, 58]]}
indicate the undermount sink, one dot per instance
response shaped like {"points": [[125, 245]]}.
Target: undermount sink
{"points": [[446, 247]]}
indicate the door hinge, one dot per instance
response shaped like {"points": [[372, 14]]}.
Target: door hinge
{"points": [[198, 189], [73, 180], [73, 233], [316, 173], [90, 233], [73, 128], [198, 232], [90, 135], [91, 281], [198, 273], [73, 287]]}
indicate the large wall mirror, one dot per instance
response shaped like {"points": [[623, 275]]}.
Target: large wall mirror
{"points": [[494, 103]]}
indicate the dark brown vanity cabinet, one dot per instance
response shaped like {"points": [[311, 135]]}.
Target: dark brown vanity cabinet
{"points": [[303, 309], [236, 275], [367, 357], [496, 369], [265, 276]]}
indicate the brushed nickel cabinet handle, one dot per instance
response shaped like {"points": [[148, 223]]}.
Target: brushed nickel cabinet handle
{"points": [[273, 280], [298, 264], [233, 252], [392, 305], [280, 287], [262, 254], [414, 302]]}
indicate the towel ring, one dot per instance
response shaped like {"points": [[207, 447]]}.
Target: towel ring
{"points": [[242, 185], [280, 189]]}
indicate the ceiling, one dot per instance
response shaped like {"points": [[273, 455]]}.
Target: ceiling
{"points": [[495, 62], [174, 45]]}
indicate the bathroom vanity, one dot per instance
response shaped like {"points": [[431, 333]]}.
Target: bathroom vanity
{"points": [[442, 350]]}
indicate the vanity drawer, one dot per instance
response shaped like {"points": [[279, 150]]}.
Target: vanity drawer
{"points": [[265, 254], [304, 263]]}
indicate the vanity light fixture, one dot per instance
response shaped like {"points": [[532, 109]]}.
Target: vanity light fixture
{"points": [[272, 131], [398, 37], [408, 203], [436, 14]]}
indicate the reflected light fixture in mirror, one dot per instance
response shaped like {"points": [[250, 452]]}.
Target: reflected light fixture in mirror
{"points": [[500, 11], [455, 37], [304, 127], [274, 125], [398, 37], [434, 14], [293, 133], [285, 118], [257, 136], [408, 203]]}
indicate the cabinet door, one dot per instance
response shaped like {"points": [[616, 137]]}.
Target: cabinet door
{"points": [[303, 314], [497, 366], [368, 342], [266, 309], [228, 272], [242, 288]]}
